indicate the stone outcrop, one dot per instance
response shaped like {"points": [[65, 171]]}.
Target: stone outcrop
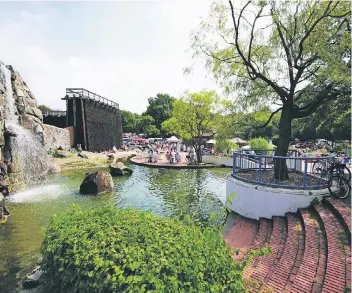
{"points": [[55, 137], [96, 182], [30, 115], [21, 130], [119, 169]]}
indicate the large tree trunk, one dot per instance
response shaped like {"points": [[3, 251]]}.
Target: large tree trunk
{"points": [[199, 153], [280, 168]]}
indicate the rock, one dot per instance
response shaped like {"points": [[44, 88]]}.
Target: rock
{"points": [[82, 155], [96, 182], [60, 148], [79, 148], [33, 280], [2, 200], [10, 167], [111, 156], [62, 154], [53, 168], [119, 169], [39, 260]]}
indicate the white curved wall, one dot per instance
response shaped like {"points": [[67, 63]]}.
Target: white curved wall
{"points": [[255, 201], [218, 160]]}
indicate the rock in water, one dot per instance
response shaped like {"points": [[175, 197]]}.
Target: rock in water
{"points": [[96, 182], [119, 169], [33, 279]]}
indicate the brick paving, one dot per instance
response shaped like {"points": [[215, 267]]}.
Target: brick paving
{"points": [[241, 236], [342, 210], [311, 250]]}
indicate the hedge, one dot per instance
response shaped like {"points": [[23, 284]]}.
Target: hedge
{"points": [[111, 250]]}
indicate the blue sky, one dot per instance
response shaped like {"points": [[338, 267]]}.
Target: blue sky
{"points": [[127, 51]]}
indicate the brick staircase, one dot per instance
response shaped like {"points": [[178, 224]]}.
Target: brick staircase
{"points": [[311, 249]]}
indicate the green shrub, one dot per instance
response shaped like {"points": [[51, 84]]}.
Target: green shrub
{"points": [[260, 144], [110, 250], [222, 145]]}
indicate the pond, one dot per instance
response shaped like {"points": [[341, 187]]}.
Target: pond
{"points": [[161, 191]]}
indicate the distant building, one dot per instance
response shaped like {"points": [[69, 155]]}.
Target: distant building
{"points": [[94, 121]]}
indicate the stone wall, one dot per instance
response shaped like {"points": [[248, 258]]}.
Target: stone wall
{"points": [[55, 137], [103, 126], [58, 121]]}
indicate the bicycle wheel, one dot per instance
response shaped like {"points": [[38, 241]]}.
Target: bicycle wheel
{"points": [[339, 187]]}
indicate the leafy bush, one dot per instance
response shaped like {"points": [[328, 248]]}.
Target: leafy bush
{"points": [[222, 145], [110, 250], [259, 144]]}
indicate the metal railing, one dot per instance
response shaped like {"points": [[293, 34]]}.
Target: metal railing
{"points": [[54, 113], [260, 170], [80, 93]]}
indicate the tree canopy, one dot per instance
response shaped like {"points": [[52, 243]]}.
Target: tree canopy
{"points": [[160, 108], [295, 54], [193, 115]]}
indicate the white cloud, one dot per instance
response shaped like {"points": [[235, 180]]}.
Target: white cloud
{"points": [[124, 51]]}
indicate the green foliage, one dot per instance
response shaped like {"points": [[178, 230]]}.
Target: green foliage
{"points": [[160, 108], [44, 108], [301, 60], [151, 131], [129, 121], [222, 145], [192, 115], [259, 144], [109, 250]]}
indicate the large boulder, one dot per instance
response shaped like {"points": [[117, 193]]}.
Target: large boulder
{"points": [[119, 169], [96, 182]]}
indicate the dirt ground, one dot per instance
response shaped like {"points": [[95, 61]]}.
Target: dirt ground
{"points": [[94, 160]]}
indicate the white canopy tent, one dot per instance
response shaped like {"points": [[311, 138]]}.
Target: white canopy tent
{"points": [[172, 139]]}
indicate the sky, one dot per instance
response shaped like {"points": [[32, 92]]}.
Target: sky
{"points": [[126, 51]]}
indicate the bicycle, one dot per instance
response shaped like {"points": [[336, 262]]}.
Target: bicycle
{"points": [[338, 185], [321, 168]]}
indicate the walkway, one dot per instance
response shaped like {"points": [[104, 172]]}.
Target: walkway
{"points": [[140, 159], [311, 249]]}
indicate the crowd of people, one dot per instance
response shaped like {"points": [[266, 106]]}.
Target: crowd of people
{"points": [[172, 153]]}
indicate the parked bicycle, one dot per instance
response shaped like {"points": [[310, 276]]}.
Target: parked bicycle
{"points": [[338, 185], [322, 168]]}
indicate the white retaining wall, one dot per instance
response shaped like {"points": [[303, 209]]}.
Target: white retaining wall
{"points": [[255, 201]]}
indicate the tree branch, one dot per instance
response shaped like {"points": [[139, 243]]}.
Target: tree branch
{"points": [[270, 117]]}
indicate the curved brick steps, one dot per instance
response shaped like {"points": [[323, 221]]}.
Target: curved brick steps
{"points": [[290, 259], [342, 212], [336, 279], [262, 239], [311, 271], [241, 236], [311, 250], [265, 266]]}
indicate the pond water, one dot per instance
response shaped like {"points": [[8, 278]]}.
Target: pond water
{"points": [[161, 191]]}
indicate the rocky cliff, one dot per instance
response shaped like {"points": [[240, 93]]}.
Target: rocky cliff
{"points": [[21, 130]]}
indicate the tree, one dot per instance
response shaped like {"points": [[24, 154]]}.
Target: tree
{"points": [[129, 121], [44, 108], [192, 115], [331, 121], [293, 53], [160, 108], [151, 131]]}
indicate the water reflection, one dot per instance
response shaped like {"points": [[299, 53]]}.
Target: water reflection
{"points": [[161, 191]]}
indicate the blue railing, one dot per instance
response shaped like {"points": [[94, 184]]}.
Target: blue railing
{"points": [[303, 172]]}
